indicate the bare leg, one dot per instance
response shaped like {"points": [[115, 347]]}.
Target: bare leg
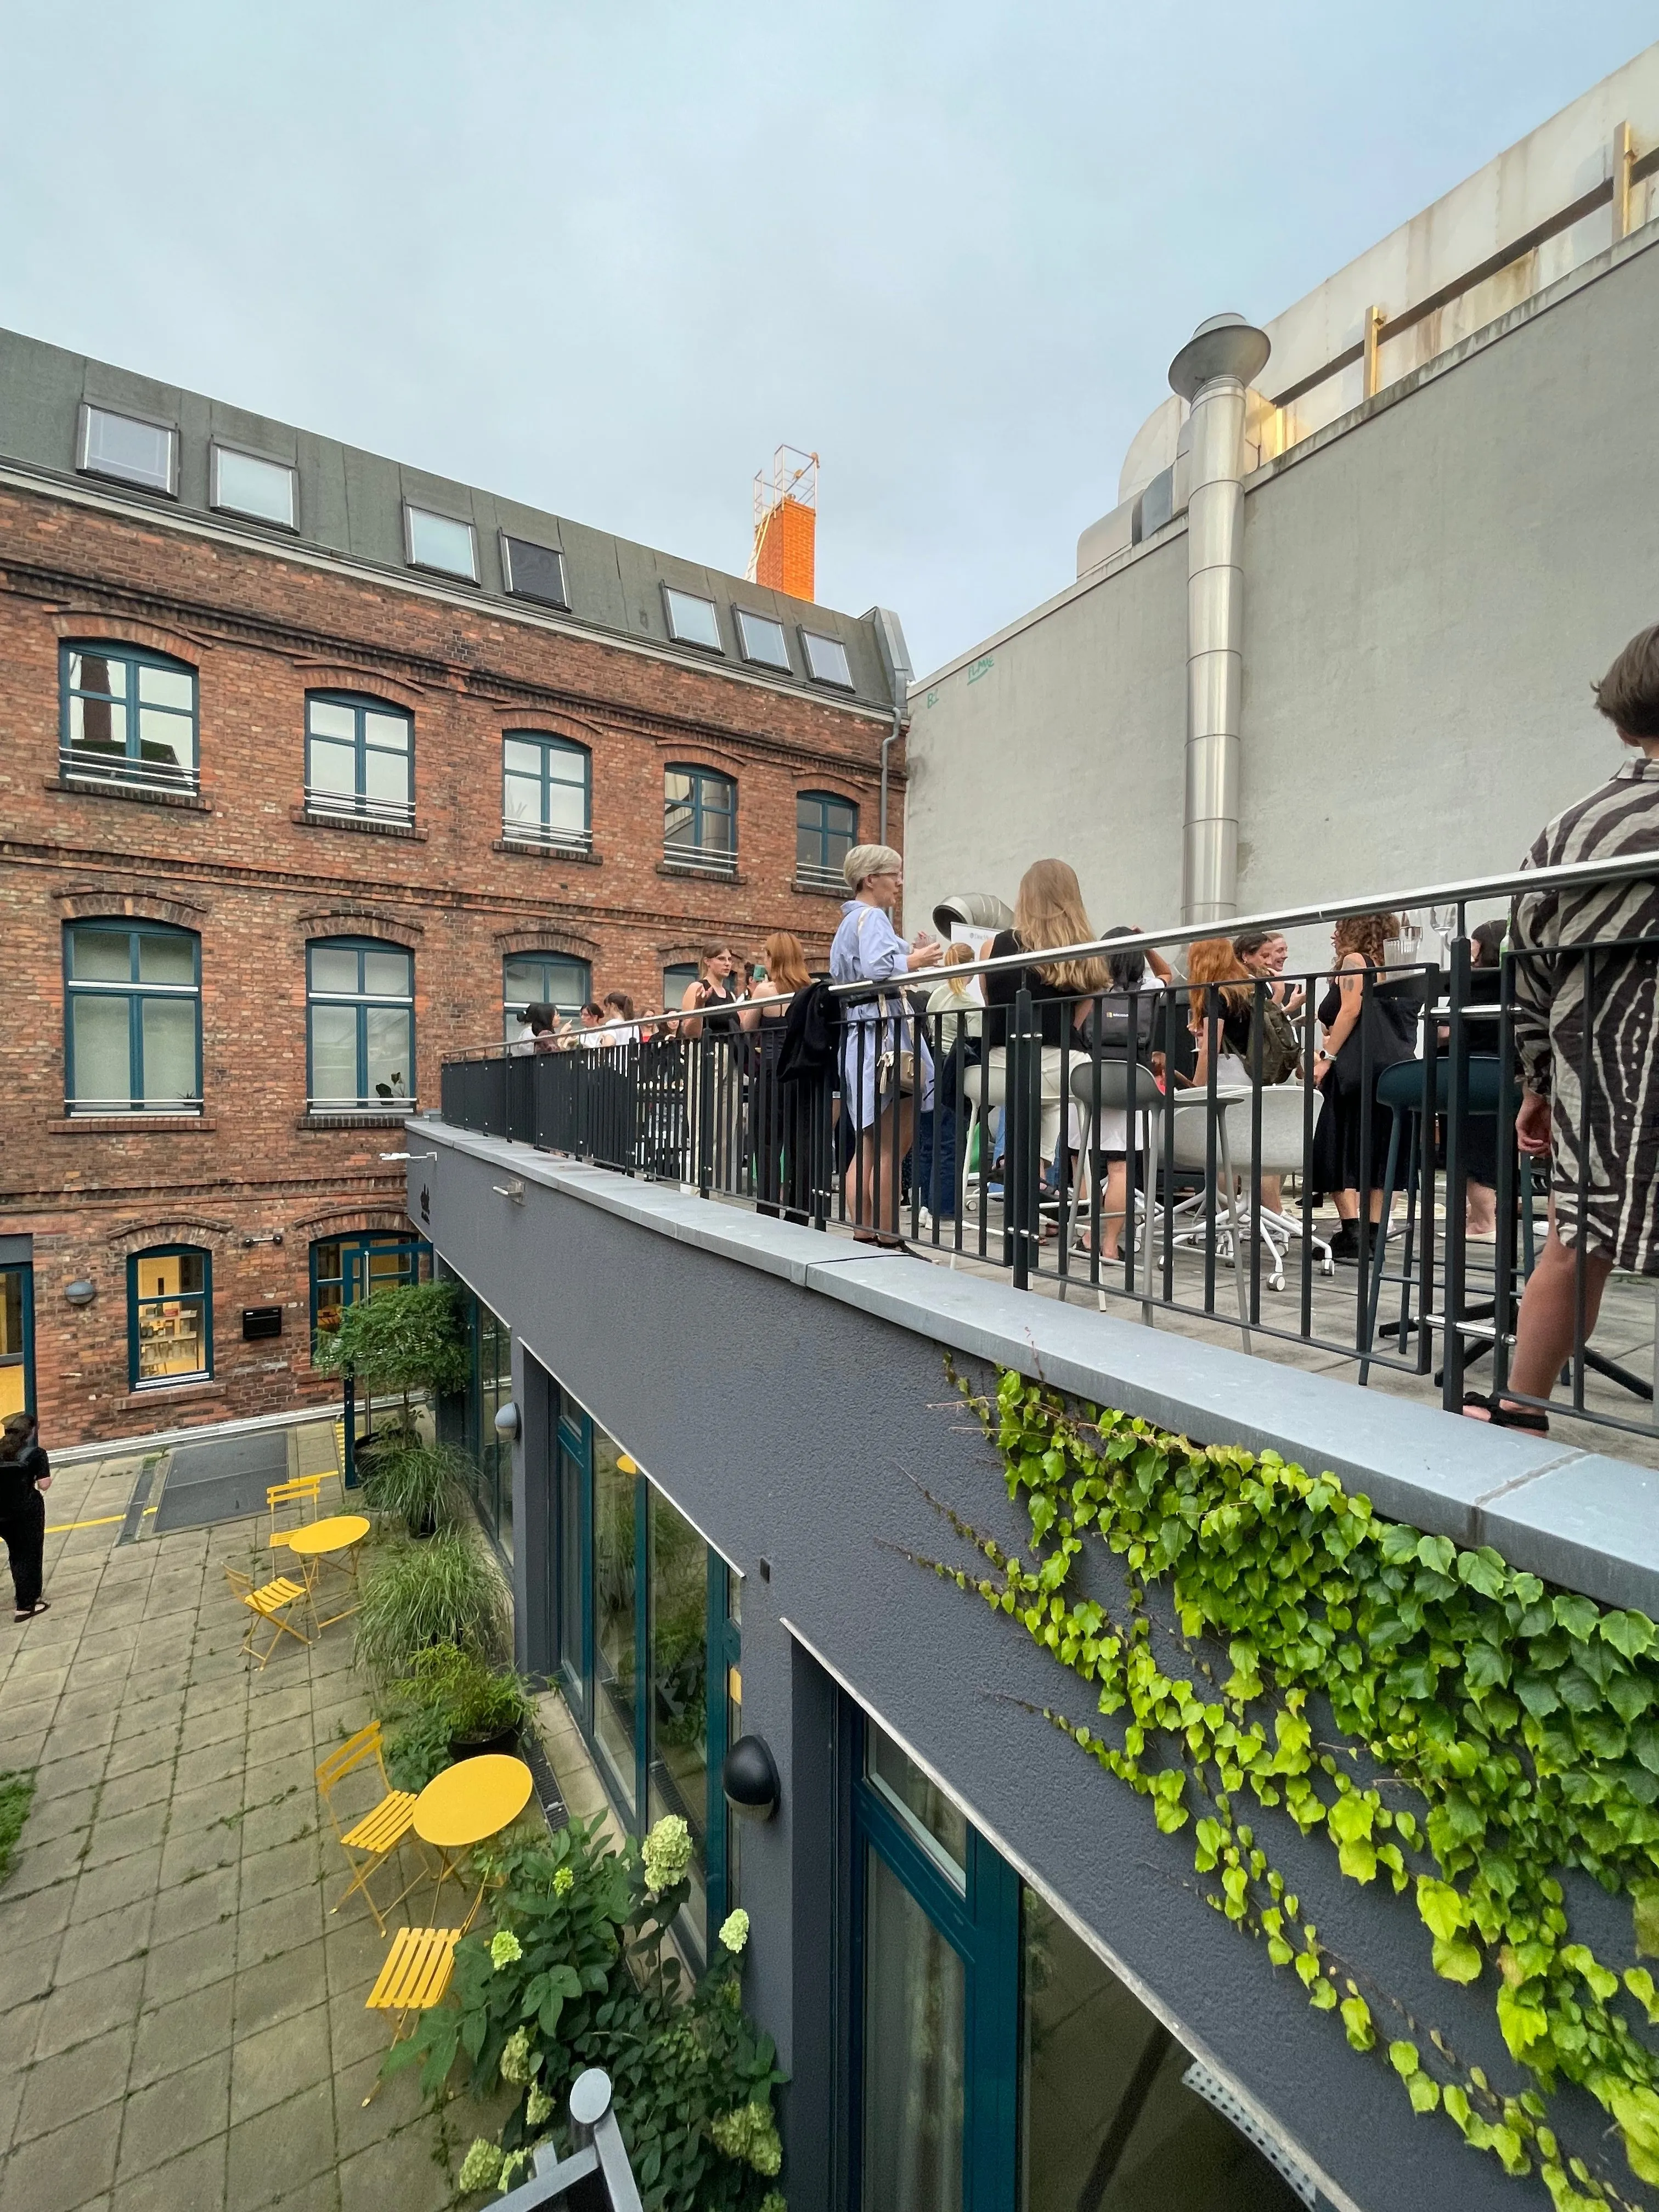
{"points": [[1480, 1213], [862, 1174], [1544, 1329], [1112, 1211]]}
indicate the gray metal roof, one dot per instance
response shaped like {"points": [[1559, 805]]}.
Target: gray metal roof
{"points": [[352, 505]]}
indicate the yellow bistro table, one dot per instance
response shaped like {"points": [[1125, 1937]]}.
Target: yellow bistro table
{"points": [[335, 1539], [467, 1804]]}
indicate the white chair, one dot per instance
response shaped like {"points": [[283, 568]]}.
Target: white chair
{"points": [[1283, 1152]]}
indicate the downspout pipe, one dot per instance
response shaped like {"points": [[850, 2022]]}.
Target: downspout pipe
{"points": [[1212, 372], [896, 659]]}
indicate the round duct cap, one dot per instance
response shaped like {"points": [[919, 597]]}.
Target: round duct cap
{"points": [[971, 910], [1226, 345]]}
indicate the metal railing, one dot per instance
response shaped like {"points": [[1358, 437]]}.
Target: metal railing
{"points": [[119, 771], [710, 859], [597, 2172], [545, 837], [358, 806], [1064, 1141]]}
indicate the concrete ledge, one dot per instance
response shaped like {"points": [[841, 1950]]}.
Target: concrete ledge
{"points": [[1581, 1519]]}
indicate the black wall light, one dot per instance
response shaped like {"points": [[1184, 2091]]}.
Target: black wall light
{"points": [[749, 1777]]}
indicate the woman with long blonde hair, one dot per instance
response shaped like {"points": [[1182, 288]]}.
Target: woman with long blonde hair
{"points": [[1048, 916]]}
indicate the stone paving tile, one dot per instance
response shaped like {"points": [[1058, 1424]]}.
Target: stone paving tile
{"points": [[64, 2170], [182, 2024], [57, 2090], [175, 2114]]}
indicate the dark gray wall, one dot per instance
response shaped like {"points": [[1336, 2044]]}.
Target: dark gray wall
{"points": [[796, 1429]]}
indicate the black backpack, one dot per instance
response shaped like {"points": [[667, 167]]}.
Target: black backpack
{"points": [[809, 1028]]}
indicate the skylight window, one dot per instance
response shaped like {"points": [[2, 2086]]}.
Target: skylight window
{"points": [[248, 483], [692, 620], [533, 572], [440, 542], [762, 639], [826, 659], [129, 448]]}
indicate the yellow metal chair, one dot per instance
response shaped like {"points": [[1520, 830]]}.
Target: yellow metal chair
{"points": [[297, 1502], [414, 1978], [372, 1838], [272, 1601]]}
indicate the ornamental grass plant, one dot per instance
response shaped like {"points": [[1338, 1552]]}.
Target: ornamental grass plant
{"points": [[424, 1486], [418, 1594]]}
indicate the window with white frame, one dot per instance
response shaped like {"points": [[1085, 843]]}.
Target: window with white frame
{"points": [[826, 659], [691, 620], [360, 757], [360, 1025], [133, 1017], [129, 448], [255, 485], [761, 639], [546, 791], [442, 542]]}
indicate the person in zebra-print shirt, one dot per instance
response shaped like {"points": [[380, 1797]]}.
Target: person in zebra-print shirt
{"points": [[1604, 1132]]}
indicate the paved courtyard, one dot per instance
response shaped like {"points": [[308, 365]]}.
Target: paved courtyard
{"points": [[182, 2026]]}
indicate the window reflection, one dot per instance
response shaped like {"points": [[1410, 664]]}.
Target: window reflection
{"points": [[915, 2053], [920, 1801]]}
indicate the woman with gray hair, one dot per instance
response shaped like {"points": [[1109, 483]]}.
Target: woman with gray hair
{"points": [[885, 1068]]}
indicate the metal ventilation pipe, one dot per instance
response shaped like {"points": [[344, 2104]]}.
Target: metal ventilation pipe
{"points": [[1211, 373]]}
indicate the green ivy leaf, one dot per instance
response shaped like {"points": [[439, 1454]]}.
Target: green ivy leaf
{"points": [[1645, 1902], [1404, 2059], [1455, 1960], [1425, 2093], [1537, 1693], [1639, 1982], [1579, 1616], [1630, 1634], [1356, 2022]]}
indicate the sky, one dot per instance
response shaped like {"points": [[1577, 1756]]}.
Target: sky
{"points": [[604, 259]]}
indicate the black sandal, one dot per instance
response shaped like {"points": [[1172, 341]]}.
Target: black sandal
{"points": [[1529, 1418], [40, 1605]]}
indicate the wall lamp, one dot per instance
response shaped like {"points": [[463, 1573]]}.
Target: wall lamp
{"points": [[508, 1422], [81, 1293], [513, 1189], [749, 1778]]}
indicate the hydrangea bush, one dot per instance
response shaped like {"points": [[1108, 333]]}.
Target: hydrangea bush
{"points": [[577, 1971]]}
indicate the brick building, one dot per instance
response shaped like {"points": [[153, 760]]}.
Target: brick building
{"points": [[312, 765]]}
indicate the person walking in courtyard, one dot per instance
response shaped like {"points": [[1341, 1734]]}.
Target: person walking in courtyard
{"points": [[1608, 1129], [25, 1473], [887, 1075]]}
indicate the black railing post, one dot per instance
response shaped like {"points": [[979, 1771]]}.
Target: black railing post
{"points": [[1457, 1115], [1502, 1304], [703, 1131], [1020, 1170]]}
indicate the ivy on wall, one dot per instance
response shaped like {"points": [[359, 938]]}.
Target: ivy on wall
{"points": [[1521, 1723]]}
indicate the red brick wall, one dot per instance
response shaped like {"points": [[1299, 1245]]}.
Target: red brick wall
{"points": [[255, 883]]}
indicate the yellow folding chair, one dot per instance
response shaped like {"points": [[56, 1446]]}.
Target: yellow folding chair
{"points": [[413, 1979], [371, 1838], [297, 1502], [272, 1601]]}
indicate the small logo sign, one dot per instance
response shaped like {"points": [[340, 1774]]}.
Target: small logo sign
{"points": [[982, 666]]}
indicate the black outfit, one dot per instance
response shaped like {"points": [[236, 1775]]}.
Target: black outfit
{"points": [[1052, 1003], [1388, 1020], [781, 1122], [23, 1522]]}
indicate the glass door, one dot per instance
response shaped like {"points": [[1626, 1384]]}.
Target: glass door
{"points": [[16, 1341], [998, 2063]]}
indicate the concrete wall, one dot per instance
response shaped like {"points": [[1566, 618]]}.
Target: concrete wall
{"points": [[761, 1377], [1430, 585]]}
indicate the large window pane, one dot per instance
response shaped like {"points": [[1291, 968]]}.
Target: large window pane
{"points": [[570, 1572], [914, 2038], [614, 1601], [333, 769], [762, 639], [101, 1040], [334, 1054], [679, 1683], [1107, 2116], [826, 659], [97, 725], [386, 975], [167, 687], [94, 671], [170, 1315], [169, 1042], [522, 800], [103, 956], [166, 959], [165, 740], [388, 1051], [333, 968], [567, 806], [387, 732], [385, 776], [328, 719], [522, 759], [692, 619]]}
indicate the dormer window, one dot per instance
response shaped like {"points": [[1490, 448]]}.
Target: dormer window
{"points": [[691, 620]]}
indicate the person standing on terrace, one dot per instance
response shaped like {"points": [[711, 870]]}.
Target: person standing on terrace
{"points": [[25, 1473], [886, 1071], [1608, 1130]]}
